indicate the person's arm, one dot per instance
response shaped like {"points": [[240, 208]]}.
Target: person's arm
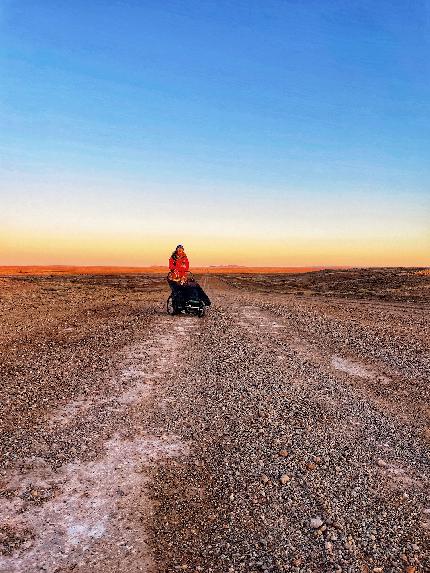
{"points": [[171, 264], [187, 263]]}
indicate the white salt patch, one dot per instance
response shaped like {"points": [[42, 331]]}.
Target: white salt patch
{"points": [[350, 367], [87, 508]]}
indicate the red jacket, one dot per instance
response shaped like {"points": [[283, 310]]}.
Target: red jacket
{"points": [[180, 265]]}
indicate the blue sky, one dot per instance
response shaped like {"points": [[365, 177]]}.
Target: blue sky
{"points": [[229, 126]]}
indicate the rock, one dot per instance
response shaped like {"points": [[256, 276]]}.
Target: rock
{"points": [[264, 478], [310, 466], [381, 463], [285, 478], [283, 453], [316, 522]]}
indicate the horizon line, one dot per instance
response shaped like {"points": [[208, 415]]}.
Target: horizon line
{"points": [[8, 270]]}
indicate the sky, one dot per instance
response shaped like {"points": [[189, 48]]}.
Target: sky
{"points": [[275, 132]]}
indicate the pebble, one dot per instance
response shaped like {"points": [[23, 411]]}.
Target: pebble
{"points": [[316, 522]]}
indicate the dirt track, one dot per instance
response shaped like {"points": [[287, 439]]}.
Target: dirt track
{"points": [[279, 433]]}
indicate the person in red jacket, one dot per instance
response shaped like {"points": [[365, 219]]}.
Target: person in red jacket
{"points": [[182, 283], [178, 263]]}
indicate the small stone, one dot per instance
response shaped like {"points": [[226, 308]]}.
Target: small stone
{"points": [[285, 478], [381, 464], [264, 478], [316, 522], [283, 453], [311, 466], [411, 569], [377, 570]]}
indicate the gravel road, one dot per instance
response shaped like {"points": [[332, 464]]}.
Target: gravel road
{"points": [[279, 433]]}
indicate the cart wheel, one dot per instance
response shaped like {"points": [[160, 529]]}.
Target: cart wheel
{"points": [[171, 309], [201, 311]]}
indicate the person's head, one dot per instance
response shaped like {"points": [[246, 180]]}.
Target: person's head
{"points": [[180, 250]]}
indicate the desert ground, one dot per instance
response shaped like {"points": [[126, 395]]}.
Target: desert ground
{"points": [[287, 430]]}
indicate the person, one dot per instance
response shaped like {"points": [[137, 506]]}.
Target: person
{"points": [[182, 283], [179, 264], [178, 268]]}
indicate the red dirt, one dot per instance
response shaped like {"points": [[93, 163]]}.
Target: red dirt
{"points": [[37, 270]]}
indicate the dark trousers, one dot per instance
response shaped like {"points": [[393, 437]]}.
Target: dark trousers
{"points": [[177, 292]]}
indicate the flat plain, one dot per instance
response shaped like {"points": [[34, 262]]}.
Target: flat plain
{"points": [[287, 430]]}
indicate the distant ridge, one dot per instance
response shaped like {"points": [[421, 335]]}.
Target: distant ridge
{"points": [[226, 266]]}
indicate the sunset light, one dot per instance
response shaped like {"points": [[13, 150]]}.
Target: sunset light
{"points": [[285, 134]]}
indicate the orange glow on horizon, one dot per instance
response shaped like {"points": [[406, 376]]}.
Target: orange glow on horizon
{"points": [[27, 248]]}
